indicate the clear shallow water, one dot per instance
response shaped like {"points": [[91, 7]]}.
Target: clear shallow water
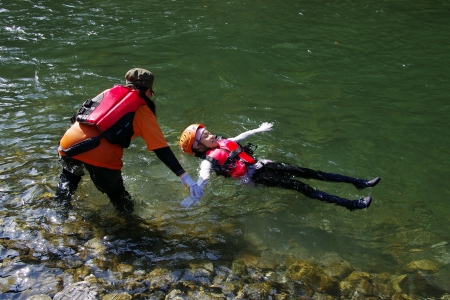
{"points": [[358, 88]]}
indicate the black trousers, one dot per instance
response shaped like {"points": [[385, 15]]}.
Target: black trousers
{"points": [[107, 181], [282, 176]]}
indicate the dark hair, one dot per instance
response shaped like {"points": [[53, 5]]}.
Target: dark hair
{"points": [[198, 153], [142, 91]]}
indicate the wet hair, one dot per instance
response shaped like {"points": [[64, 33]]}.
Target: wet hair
{"points": [[199, 153]]}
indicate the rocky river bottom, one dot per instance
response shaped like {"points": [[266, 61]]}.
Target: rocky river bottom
{"points": [[47, 254]]}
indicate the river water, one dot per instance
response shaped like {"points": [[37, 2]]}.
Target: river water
{"points": [[355, 87]]}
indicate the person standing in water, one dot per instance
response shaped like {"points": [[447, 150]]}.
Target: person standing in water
{"points": [[102, 128], [227, 157]]}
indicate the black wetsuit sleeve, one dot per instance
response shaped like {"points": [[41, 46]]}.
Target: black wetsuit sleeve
{"points": [[166, 155]]}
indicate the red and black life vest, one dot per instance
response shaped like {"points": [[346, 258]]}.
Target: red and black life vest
{"points": [[112, 112], [229, 159]]}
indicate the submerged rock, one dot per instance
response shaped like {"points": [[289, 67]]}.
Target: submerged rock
{"points": [[400, 283], [124, 269], [160, 279], [39, 297], [205, 296], [95, 247], [80, 290], [312, 278], [423, 265], [121, 296], [176, 295], [335, 266], [79, 273], [259, 290], [366, 285]]}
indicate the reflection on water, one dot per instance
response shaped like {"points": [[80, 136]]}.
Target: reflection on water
{"points": [[353, 88]]}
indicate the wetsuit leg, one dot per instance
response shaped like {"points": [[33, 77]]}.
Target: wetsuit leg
{"points": [[110, 182], [266, 177], [295, 171], [69, 178]]}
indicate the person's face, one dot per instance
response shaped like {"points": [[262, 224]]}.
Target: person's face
{"points": [[149, 93], [207, 140]]}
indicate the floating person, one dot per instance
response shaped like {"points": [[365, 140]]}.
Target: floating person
{"points": [[225, 156], [102, 128]]}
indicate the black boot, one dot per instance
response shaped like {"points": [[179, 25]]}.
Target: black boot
{"points": [[349, 204], [67, 185], [371, 183], [124, 204]]}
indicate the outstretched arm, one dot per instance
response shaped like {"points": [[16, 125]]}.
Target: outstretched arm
{"points": [[204, 174], [168, 158], [202, 181], [264, 127]]}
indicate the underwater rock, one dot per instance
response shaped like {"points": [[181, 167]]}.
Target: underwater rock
{"points": [[133, 286], [366, 285], [121, 296], [226, 281], [312, 278], [95, 247], [238, 267], [198, 276], [156, 295], [176, 295], [80, 290], [160, 279], [79, 273], [199, 273], [124, 268], [400, 284], [229, 289], [39, 297], [267, 260], [258, 290], [205, 295], [335, 266], [424, 282], [423, 265], [247, 264], [256, 241], [18, 278], [399, 296]]}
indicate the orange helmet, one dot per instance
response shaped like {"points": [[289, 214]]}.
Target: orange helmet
{"points": [[188, 137]]}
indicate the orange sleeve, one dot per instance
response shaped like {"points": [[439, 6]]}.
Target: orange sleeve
{"points": [[109, 155], [146, 126]]}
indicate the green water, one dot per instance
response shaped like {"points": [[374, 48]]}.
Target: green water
{"points": [[356, 87]]}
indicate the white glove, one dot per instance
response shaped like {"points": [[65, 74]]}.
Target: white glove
{"points": [[195, 190], [189, 201], [265, 127]]}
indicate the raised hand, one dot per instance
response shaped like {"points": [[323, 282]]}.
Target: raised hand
{"points": [[266, 126]]}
